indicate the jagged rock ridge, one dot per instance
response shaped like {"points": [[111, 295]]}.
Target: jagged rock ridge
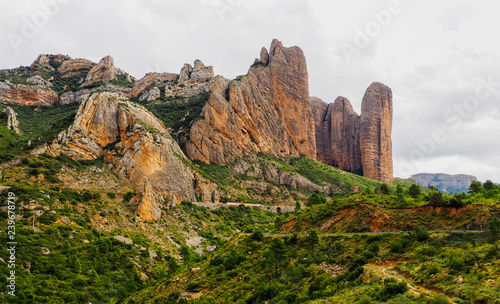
{"points": [[266, 111]]}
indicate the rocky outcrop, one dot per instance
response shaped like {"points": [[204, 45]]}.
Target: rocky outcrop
{"points": [[12, 122], [71, 97], [104, 71], [150, 79], [136, 146], [27, 95], [445, 182], [193, 80], [75, 66], [265, 111], [45, 60], [375, 133], [38, 80], [153, 94], [356, 143], [337, 133]]}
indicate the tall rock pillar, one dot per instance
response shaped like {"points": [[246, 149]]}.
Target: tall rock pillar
{"points": [[375, 133]]}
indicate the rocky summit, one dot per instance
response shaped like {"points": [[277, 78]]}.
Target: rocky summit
{"points": [[267, 110]]}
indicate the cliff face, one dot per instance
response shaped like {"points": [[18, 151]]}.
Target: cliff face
{"points": [[337, 133], [27, 95], [355, 142], [136, 146], [445, 182], [266, 110], [375, 133]]}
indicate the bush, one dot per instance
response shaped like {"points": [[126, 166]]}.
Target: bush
{"points": [[391, 288], [47, 218], [111, 195], [365, 299], [440, 300], [421, 233]]}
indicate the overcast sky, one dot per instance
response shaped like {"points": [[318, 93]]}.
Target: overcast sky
{"points": [[441, 58]]}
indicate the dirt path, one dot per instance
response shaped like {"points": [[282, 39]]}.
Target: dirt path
{"points": [[386, 269]]}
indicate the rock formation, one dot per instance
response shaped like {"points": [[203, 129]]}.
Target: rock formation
{"points": [[265, 111], [75, 66], [12, 122], [152, 94], [103, 71], [337, 133], [375, 133], [193, 80], [136, 146], [356, 143], [27, 95]]}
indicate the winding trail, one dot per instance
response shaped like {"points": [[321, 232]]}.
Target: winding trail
{"points": [[385, 269]]}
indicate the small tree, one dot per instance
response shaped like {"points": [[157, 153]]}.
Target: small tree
{"points": [[315, 199], [488, 185], [279, 249], [399, 189], [475, 187], [414, 191], [312, 240], [185, 252], [278, 222], [297, 206], [298, 223], [436, 199], [384, 189], [493, 227], [421, 233]]}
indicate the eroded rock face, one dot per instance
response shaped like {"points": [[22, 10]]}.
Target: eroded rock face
{"points": [[75, 66], [265, 111], [357, 143], [104, 71], [337, 133], [136, 146], [12, 122], [193, 80], [27, 95], [375, 133], [153, 94]]}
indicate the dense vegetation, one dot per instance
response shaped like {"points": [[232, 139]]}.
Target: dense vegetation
{"points": [[178, 113]]}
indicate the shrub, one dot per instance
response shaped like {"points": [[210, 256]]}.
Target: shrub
{"points": [[440, 300], [421, 233], [365, 299], [47, 218], [391, 288], [111, 195]]}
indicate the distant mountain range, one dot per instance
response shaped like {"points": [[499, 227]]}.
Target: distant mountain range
{"points": [[445, 182]]}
